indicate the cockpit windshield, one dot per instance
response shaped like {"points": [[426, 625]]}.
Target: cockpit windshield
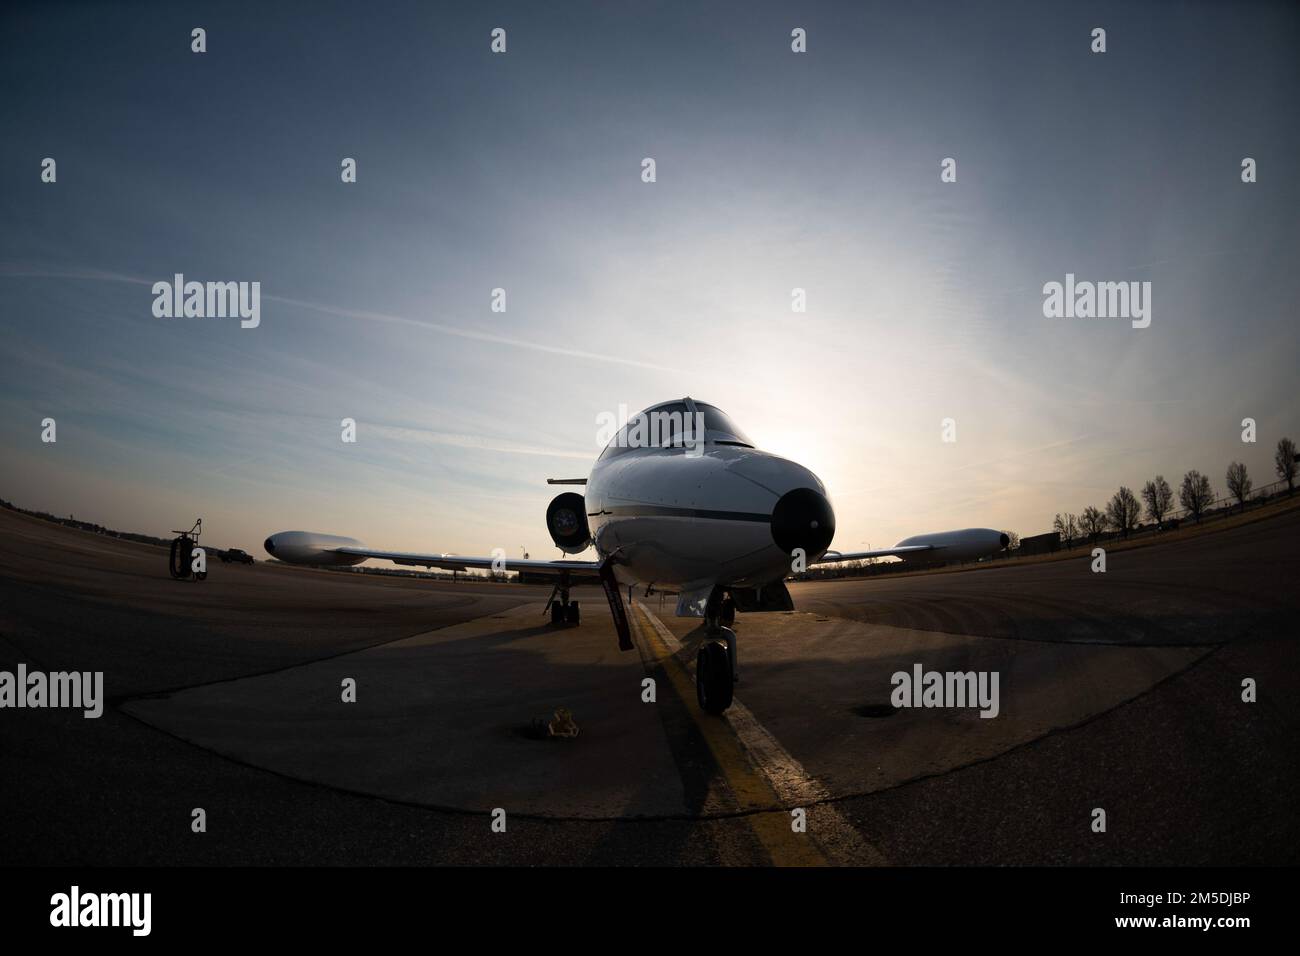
{"points": [[671, 425]]}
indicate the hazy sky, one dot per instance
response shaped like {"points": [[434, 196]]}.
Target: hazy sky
{"points": [[775, 170]]}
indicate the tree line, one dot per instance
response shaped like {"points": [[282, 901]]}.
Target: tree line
{"points": [[1195, 494]]}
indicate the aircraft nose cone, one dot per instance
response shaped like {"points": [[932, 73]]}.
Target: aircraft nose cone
{"points": [[803, 519]]}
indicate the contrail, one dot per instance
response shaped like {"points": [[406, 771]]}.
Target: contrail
{"points": [[466, 333], [459, 332]]}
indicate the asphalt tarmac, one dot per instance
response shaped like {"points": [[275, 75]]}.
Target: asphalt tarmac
{"points": [[1120, 691]]}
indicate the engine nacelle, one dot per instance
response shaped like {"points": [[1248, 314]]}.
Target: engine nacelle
{"points": [[566, 520], [306, 547], [957, 545]]}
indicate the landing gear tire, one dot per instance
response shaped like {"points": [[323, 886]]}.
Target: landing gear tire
{"points": [[557, 613], [713, 680], [571, 613]]}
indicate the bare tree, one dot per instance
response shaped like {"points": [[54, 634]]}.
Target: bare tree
{"points": [[1067, 526], [1285, 464], [1239, 483], [1159, 498], [1093, 522], [1196, 494], [1123, 510]]}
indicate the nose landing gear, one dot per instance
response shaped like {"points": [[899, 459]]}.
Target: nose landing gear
{"points": [[727, 613], [715, 664]]}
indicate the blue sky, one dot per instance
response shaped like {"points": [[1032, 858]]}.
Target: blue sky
{"points": [[522, 171]]}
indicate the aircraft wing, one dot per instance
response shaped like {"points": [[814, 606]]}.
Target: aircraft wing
{"points": [[833, 556], [456, 562], [966, 545], [305, 547]]}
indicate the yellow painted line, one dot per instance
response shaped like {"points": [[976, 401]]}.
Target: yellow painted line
{"points": [[747, 783], [838, 839]]}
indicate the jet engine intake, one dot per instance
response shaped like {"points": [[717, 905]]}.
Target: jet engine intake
{"points": [[566, 520]]}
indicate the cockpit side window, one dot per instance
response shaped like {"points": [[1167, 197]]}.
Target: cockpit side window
{"points": [[721, 428]]}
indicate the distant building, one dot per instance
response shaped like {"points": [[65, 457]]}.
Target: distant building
{"points": [[1040, 544]]}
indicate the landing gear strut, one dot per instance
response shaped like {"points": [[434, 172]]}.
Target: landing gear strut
{"points": [[563, 611], [715, 664], [727, 615]]}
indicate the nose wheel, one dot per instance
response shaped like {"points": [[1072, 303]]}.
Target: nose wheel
{"points": [[715, 682], [716, 672]]}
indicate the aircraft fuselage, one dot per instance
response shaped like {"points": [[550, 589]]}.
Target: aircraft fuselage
{"points": [[681, 520]]}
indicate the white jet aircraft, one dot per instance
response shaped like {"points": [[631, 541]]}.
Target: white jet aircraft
{"points": [[679, 500]]}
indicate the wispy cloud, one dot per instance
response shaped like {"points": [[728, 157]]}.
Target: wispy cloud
{"points": [[14, 270]]}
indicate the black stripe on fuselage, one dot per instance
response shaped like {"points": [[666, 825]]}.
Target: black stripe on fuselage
{"points": [[658, 511]]}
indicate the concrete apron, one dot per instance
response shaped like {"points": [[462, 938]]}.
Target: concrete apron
{"points": [[441, 719]]}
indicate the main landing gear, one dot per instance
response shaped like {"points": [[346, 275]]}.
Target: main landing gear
{"points": [[715, 664], [563, 612]]}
